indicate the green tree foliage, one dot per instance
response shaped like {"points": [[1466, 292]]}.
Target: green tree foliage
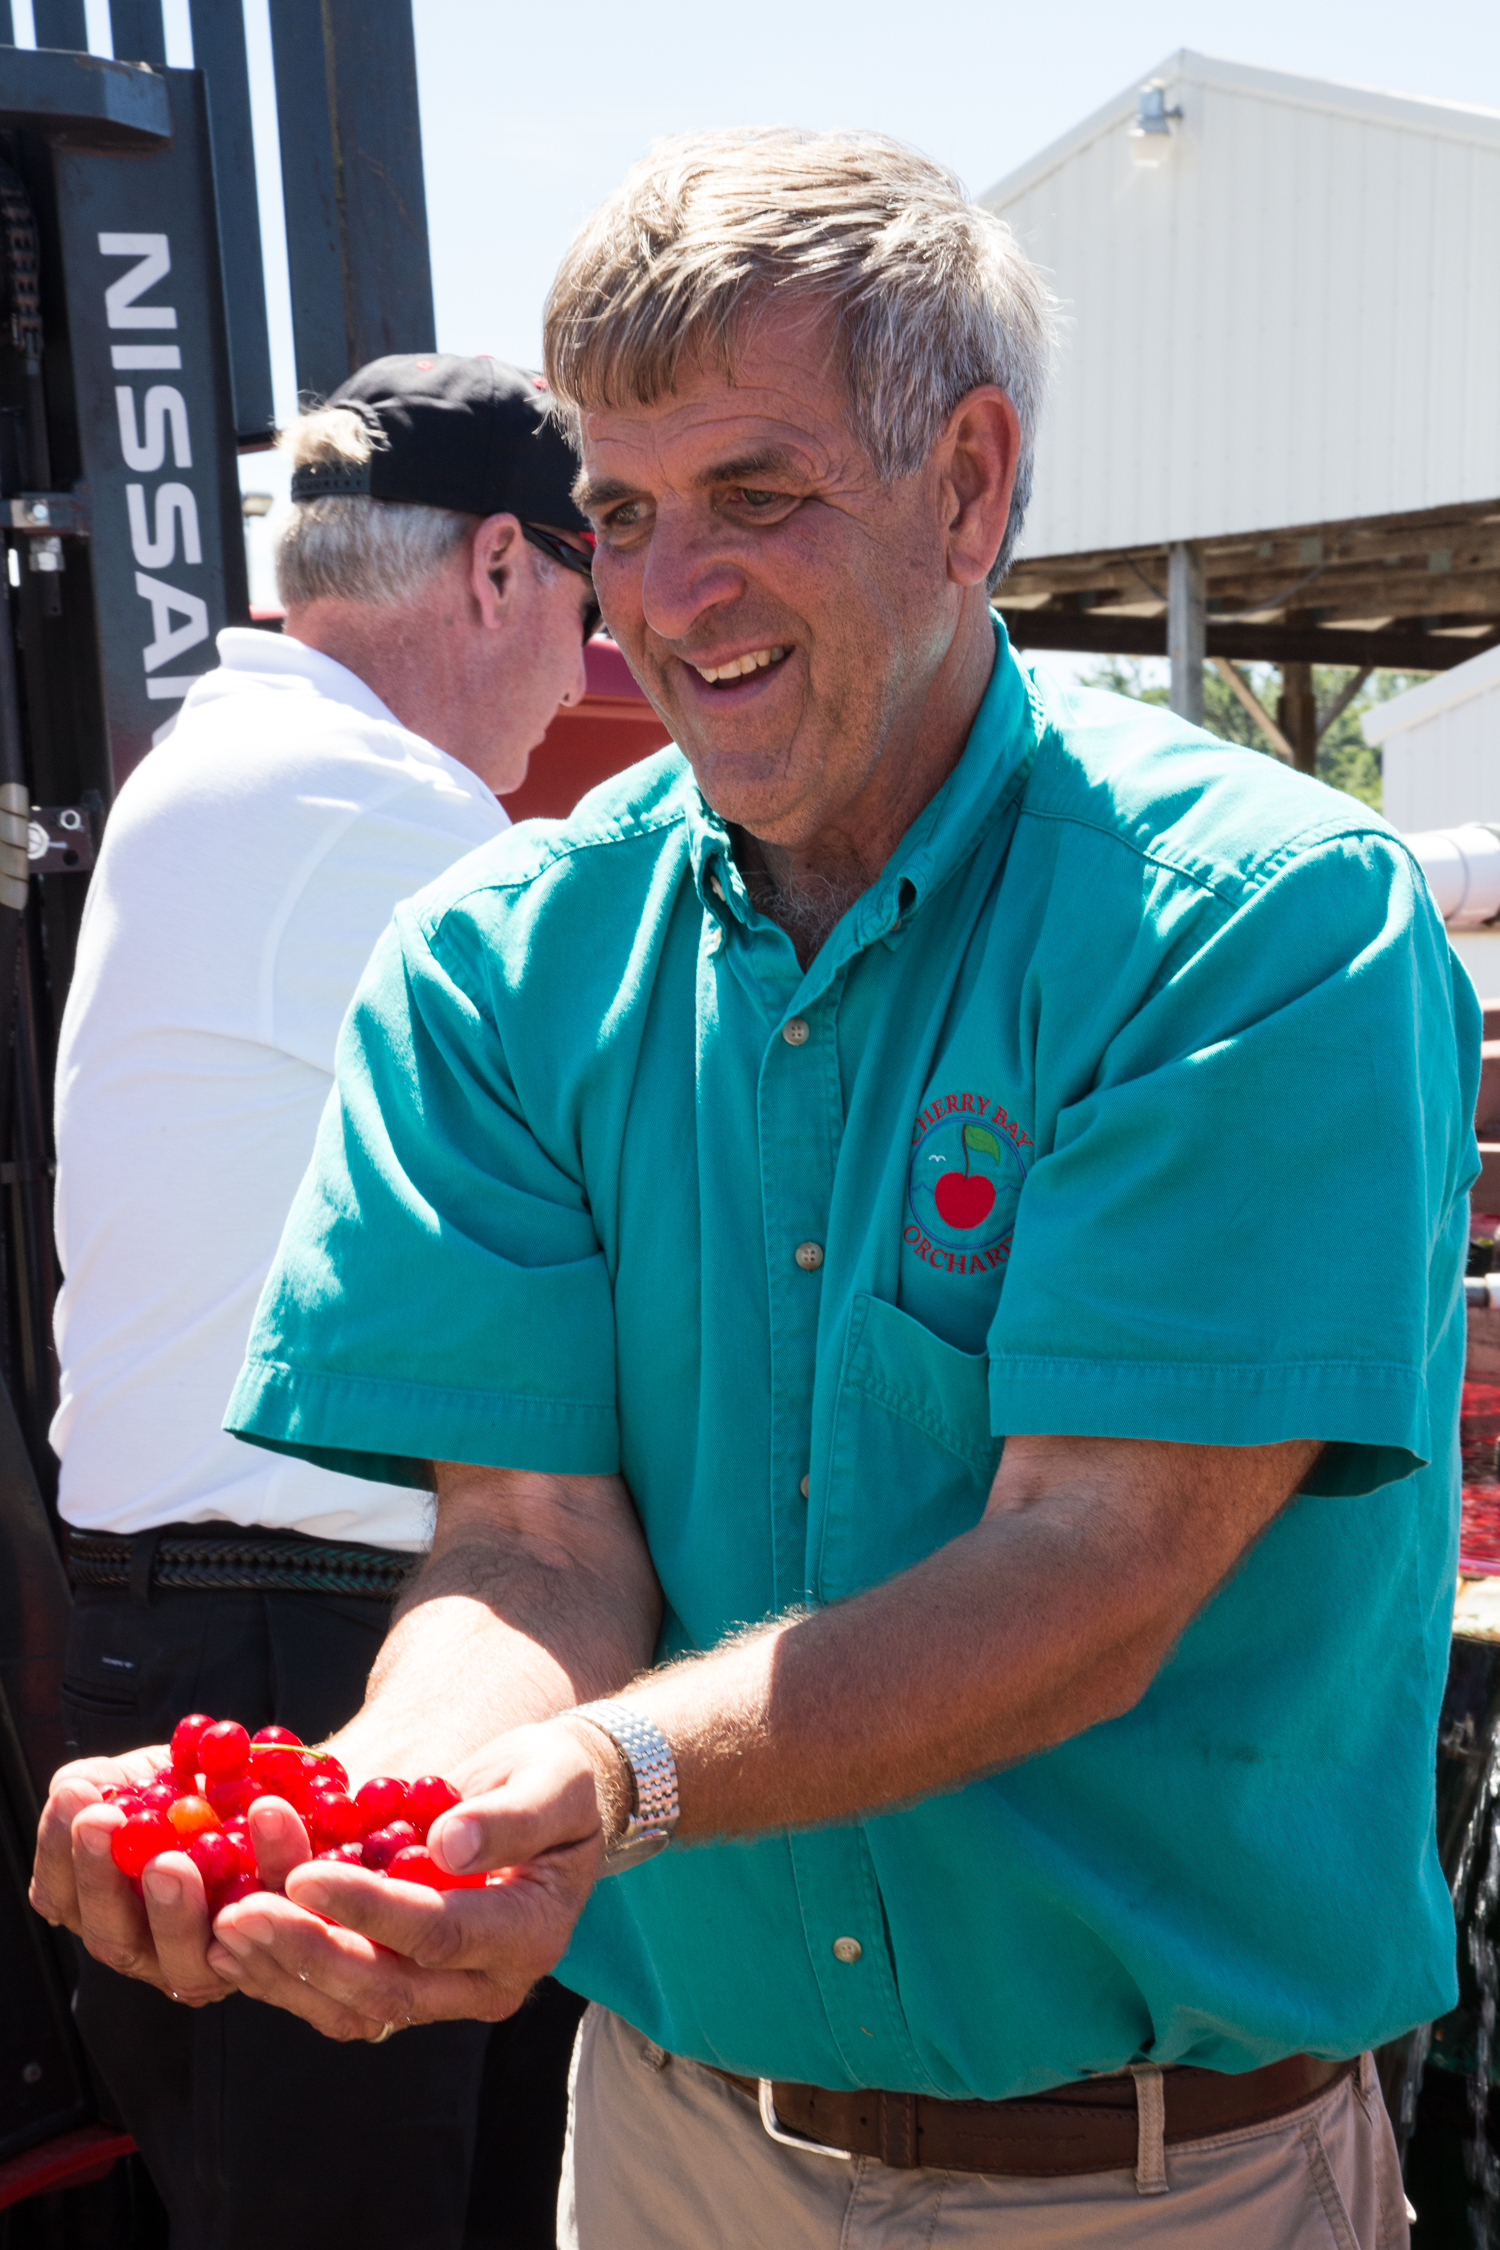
{"points": [[1345, 760]]}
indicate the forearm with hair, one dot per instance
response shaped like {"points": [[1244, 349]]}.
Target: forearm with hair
{"points": [[538, 1593], [1053, 1614]]}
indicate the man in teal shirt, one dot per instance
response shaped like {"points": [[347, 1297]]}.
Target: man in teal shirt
{"points": [[923, 1237]]}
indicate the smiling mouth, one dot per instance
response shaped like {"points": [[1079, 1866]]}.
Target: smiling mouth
{"points": [[739, 667]]}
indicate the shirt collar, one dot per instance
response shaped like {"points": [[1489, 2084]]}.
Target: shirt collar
{"points": [[944, 834], [277, 656]]}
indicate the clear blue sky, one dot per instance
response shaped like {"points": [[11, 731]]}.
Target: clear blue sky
{"points": [[531, 113]]}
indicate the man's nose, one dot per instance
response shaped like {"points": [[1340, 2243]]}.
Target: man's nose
{"points": [[687, 572]]}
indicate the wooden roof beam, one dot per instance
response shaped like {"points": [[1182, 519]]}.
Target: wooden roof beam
{"points": [[1235, 680], [1396, 648]]}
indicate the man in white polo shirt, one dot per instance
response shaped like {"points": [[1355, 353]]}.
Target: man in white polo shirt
{"points": [[437, 591]]}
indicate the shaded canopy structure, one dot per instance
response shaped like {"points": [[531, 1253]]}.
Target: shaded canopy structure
{"points": [[1275, 433]]}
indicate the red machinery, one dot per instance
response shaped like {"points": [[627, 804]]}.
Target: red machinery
{"points": [[612, 727]]}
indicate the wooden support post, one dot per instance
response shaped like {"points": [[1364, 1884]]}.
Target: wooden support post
{"points": [[1297, 712], [1187, 630], [1297, 715]]}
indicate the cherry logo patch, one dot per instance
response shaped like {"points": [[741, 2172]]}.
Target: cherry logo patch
{"points": [[968, 1165]]}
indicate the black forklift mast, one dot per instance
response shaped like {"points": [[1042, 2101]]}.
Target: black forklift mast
{"points": [[134, 365]]}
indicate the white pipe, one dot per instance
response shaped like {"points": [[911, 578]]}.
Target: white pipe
{"points": [[1462, 867]]}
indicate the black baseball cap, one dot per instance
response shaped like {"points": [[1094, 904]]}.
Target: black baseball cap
{"points": [[471, 434]]}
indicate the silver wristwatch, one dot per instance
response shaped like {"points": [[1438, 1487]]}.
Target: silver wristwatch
{"points": [[653, 1770]]}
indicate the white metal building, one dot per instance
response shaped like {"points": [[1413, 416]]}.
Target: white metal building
{"points": [[1440, 755], [1440, 747], [1280, 374], [1283, 308]]}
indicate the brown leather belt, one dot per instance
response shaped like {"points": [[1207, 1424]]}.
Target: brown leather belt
{"points": [[1089, 2126]]}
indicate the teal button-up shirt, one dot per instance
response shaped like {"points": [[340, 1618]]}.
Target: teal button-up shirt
{"points": [[1132, 1100]]}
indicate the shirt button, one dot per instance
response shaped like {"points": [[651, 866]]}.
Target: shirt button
{"points": [[809, 1256], [805, 1487], [847, 1949], [796, 1032]]}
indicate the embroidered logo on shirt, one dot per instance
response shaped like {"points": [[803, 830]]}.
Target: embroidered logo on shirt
{"points": [[968, 1166]]}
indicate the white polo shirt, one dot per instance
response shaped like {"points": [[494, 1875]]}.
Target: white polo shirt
{"points": [[248, 867]]}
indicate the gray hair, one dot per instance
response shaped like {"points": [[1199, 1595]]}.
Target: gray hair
{"points": [[932, 294], [357, 550]]}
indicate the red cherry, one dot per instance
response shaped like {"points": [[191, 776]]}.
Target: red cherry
{"points": [[214, 1856], [242, 1886], [964, 1199], [329, 1768], [126, 1796], [417, 1865], [186, 1736], [141, 1837], [231, 1797], [223, 1750], [382, 1845], [348, 1819], [381, 1801], [333, 1818], [163, 1791], [192, 1816], [351, 1855], [278, 1734], [279, 1773], [427, 1797], [238, 1833]]}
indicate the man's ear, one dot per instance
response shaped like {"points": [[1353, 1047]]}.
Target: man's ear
{"points": [[495, 558], [978, 455]]}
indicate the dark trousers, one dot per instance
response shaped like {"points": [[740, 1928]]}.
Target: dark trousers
{"points": [[256, 2130]]}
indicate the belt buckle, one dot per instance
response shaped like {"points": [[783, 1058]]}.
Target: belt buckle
{"points": [[777, 2131]]}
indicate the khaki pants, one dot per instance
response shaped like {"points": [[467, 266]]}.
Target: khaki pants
{"points": [[663, 2155]]}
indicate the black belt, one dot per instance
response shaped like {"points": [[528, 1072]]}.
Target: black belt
{"points": [[199, 1558]]}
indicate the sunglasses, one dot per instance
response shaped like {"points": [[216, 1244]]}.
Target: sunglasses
{"points": [[571, 558]]}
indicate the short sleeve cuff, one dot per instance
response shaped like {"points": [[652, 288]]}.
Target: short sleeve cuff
{"points": [[1371, 1419], [365, 1427]]}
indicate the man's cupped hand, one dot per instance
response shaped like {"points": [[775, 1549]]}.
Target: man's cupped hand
{"points": [[162, 1936], [357, 1954]]}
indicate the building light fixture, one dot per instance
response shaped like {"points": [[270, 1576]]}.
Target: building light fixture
{"points": [[1151, 134]]}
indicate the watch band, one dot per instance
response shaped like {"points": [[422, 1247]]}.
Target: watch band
{"points": [[653, 1769]]}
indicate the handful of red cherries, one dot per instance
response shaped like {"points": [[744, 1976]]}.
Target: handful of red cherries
{"points": [[199, 1804]]}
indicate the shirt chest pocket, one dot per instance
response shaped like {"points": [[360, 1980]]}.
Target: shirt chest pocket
{"points": [[911, 1458]]}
